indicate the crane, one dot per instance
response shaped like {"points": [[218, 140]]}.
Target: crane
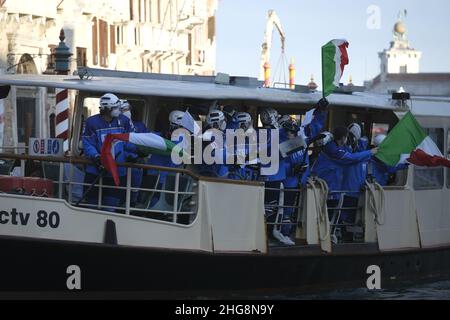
{"points": [[272, 21]]}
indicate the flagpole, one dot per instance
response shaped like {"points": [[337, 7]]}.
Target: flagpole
{"points": [[323, 83]]}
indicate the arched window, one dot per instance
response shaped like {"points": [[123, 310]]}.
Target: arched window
{"points": [[26, 65]]}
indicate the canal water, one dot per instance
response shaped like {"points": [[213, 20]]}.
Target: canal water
{"points": [[438, 290]]}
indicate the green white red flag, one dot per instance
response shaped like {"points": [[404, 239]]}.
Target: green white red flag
{"points": [[334, 60], [146, 143], [408, 142]]}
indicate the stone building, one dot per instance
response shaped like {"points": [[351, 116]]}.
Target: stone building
{"points": [[162, 36], [400, 67]]}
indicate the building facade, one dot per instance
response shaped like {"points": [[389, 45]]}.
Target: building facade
{"points": [[400, 68], [161, 36]]}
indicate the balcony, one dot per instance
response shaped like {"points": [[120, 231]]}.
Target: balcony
{"points": [[32, 8], [189, 22]]}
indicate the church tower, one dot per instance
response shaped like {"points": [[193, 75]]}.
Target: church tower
{"points": [[400, 57]]}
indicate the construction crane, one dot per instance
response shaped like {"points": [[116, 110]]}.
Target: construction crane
{"points": [[272, 21]]}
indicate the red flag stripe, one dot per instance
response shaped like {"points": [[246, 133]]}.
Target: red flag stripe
{"points": [[423, 159], [344, 55], [107, 158]]}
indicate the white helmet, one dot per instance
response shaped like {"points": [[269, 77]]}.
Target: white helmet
{"points": [[327, 138], [244, 120], [216, 120], [355, 129], [109, 101], [281, 121], [379, 138], [176, 119], [269, 117], [124, 104]]}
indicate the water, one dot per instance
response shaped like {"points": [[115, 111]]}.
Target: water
{"points": [[439, 290]]}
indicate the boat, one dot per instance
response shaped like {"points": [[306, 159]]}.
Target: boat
{"points": [[208, 235]]}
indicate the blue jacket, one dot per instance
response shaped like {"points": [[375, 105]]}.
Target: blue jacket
{"points": [[332, 162], [355, 175], [216, 169], [140, 127], [292, 180], [381, 171], [281, 173], [94, 133], [316, 125], [302, 157], [232, 122], [161, 161]]}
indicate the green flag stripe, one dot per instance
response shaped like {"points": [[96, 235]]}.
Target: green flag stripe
{"points": [[328, 68], [403, 139]]}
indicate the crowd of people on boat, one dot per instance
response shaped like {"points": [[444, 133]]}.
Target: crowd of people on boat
{"points": [[342, 158]]}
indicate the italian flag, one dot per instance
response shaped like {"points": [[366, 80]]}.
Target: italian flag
{"points": [[334, 59], [408, 142], [146, 143]]}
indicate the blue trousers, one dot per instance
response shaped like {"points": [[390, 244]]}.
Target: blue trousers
{"points": [[110, 196]]}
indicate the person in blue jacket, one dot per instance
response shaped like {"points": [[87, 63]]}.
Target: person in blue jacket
{"points": [[297, 164], [333, 161], [109, 121], [381, 171], [175, 122], [231, 117], [355, 175], [272, 183], [216, 120], [139, 127], [249, 170]]}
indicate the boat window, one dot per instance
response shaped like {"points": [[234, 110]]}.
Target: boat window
{"points": [[431, 178], [26, 118], [448, 157], [379, 128]]}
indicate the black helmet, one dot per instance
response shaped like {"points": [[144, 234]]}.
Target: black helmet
{"points": [[322, 104], [291, 125]]}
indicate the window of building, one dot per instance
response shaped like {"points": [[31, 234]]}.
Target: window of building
{"points": [[112, 39], [158, 8], [119, 35], [81, 57], [51, 62], [403, 69], [26, 116], [190, 47], [211, 28], [52, 124], [95, 42], [136, 36], [131, 9], [431, 178], [148, 6], [103, 43], [142, 10]]}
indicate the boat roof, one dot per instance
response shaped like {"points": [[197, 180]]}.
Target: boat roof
{"points": [[210, 88], [192, 89]]}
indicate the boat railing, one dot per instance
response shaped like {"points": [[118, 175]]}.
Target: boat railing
{"points": [[276, 209], [168, 194], [335, 215]]}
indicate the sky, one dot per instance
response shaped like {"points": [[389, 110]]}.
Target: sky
{"points": [[310, 24]]}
